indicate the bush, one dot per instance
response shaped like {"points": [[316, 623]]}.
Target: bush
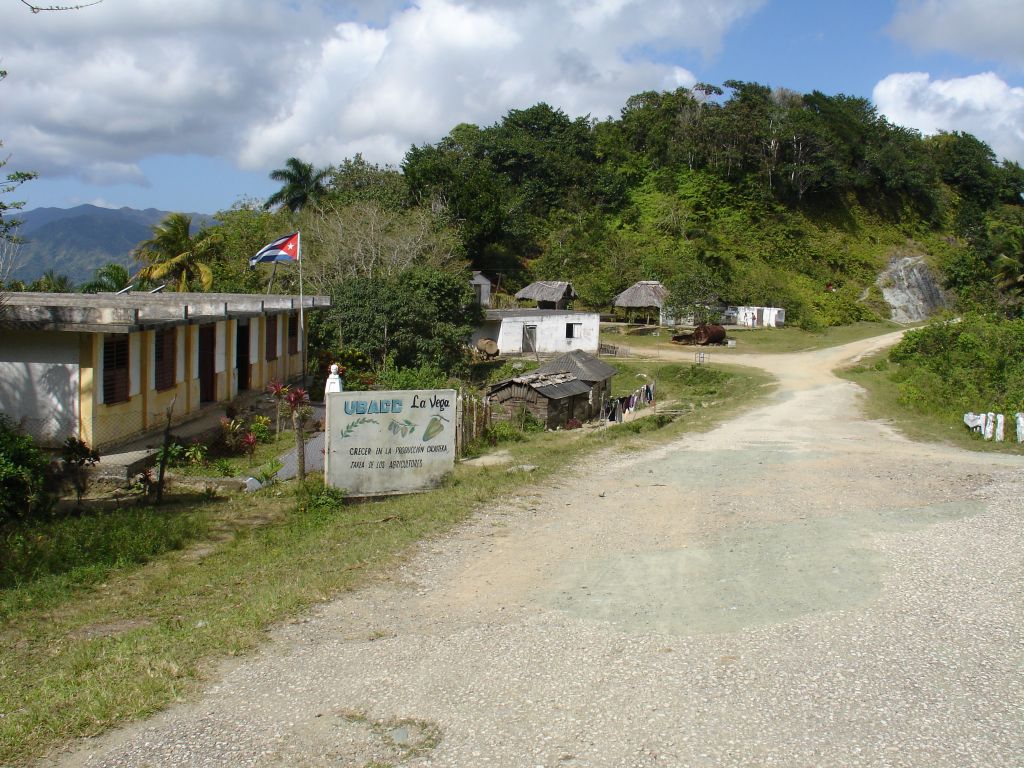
{"points": [[950, 368], [23, 475], [502, 432], [260, 426]]}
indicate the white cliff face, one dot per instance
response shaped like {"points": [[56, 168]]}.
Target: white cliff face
{"points": [[911, 289]]}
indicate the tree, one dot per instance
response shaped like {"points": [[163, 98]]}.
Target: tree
{"points": [[242, 231], [110, 278], [51, 282], [419, 317], [173, 253], [695, 293], [303, 184], [368, 239]]}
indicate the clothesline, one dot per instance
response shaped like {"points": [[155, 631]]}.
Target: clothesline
{"points": [[619, 407]]}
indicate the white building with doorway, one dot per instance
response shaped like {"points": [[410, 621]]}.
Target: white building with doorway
{"points": [[540, 331]]}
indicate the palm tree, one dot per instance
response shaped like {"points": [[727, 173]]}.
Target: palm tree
{"points": [[51, 282], [109, 278], [1010, 273], [174, 253], [303, 184]]}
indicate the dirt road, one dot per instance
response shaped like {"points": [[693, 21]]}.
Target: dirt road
{"points": [[798, 587]]}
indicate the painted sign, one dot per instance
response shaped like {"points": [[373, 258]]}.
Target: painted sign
{"points": [[381, 443]]}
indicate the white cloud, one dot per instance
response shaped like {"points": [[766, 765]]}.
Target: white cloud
{"points": [[992, 30], [93, 92], [983, 105]]}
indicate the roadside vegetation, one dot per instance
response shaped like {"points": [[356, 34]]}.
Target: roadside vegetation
{"points": [[937, 373]]}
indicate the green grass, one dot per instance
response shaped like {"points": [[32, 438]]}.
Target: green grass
{"points": [[883, 402], [238, 466], [761, 340], [78, 657]]}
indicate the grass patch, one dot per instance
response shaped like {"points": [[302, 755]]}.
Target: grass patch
{"points": [[884, 402], [81, 657], [761, 340]]}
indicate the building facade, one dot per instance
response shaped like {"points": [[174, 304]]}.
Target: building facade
{"points": [[540, 331], [107, 367]]}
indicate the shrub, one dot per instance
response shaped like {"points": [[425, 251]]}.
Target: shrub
{"points": [[175, 454], [195, 454], [260, 426], [76, 456], [502, 432], [231, 433], [23, 473]]}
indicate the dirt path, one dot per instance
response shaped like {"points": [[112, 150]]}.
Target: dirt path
{"points": [[797, 587]]}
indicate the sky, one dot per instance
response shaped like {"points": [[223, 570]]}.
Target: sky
{"points": [[187, 105]]}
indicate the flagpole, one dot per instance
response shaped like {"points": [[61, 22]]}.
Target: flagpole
{"points": [[302, 317]]}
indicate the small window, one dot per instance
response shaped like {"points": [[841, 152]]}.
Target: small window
{"points": [[115, 368], [574, 330], [272, 337], [293, 334], [164, 358]]}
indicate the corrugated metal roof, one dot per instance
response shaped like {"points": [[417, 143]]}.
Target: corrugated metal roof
{"points": [[584, 366], [553, 386]]}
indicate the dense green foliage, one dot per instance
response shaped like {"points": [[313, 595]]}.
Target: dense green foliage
{"points": [[416, 318], [23, 475], [783, 199], [950, 368]]}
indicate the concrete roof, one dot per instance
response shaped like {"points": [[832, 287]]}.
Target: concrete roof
{"points": [[123, 313]]}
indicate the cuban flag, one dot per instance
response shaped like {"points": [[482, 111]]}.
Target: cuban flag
{"points": [[285, 249]]}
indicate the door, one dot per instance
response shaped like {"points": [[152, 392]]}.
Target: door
{"points": [[207, 375], [242, 354], [529, 338]]}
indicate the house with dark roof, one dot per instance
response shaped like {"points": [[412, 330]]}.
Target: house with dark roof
{"points": [[592, 371], [572, 386]]}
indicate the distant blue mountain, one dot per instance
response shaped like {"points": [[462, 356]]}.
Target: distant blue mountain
{"points": [[77, 241]]}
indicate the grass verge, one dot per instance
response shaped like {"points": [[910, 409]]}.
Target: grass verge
{"points": [[883, 402], [80, 656], [762, 340]]}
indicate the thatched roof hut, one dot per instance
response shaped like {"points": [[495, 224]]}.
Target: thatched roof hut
{"points": [[549, 294], [646, 293]]}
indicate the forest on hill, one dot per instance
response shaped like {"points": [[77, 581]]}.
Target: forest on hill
{"points": [[768, 197], [761, 196]]}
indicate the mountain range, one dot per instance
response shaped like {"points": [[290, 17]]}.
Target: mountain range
{"points": [[77, 241]]}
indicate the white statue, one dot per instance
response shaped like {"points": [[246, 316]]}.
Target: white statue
{"points": [[333, 381]]}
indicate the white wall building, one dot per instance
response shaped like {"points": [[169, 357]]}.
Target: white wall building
{"points": [[481, 288], [756, 317], [540, 331]]}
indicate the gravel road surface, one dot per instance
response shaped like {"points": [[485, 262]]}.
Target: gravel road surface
{"points": [[798, 587]]}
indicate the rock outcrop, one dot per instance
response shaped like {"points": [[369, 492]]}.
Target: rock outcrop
{"points": [[911, 289]]}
